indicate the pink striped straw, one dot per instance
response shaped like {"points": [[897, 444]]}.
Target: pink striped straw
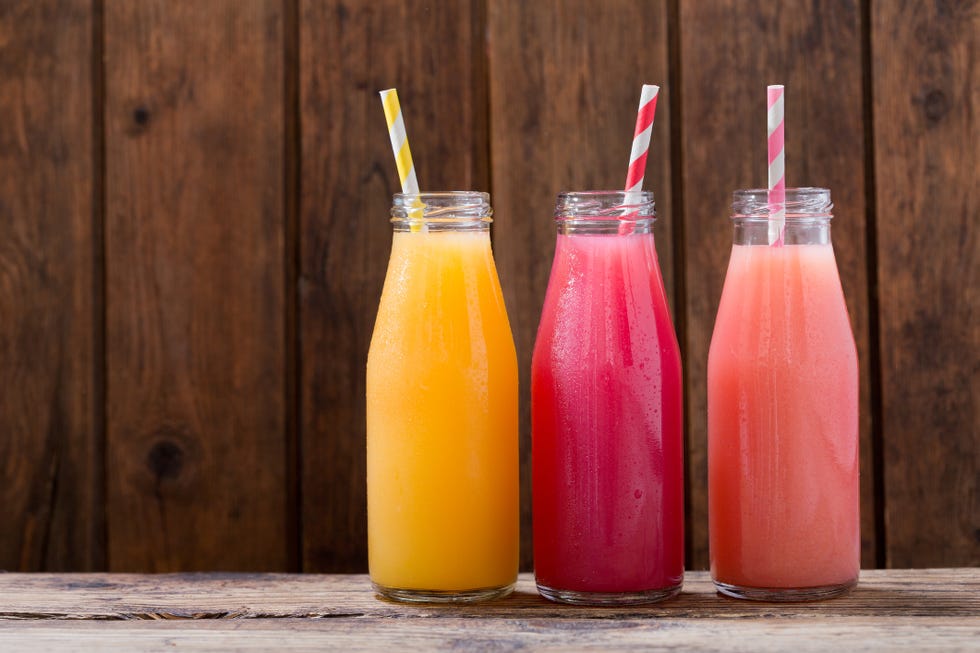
{"points": [[777, 165], [641, 137]]}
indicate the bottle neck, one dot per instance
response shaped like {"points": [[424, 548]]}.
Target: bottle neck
{"points": [[797, 231], [602, 227], [462, 211], [605, 213], [806, 215]]}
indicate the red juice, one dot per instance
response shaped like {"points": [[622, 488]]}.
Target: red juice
{"points": [[607, 424]]}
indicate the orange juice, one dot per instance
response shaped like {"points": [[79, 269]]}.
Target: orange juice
{"points": [[442, 445]]}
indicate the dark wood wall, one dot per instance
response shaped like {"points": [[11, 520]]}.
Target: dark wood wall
{"points": [[193, 237]]}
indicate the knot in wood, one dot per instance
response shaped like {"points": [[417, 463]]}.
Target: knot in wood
{"points": [[935, 105], [141, 116], [166, 459]]}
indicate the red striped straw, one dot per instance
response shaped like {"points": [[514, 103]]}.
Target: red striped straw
{"points": [[777, 165], [641, 137]]}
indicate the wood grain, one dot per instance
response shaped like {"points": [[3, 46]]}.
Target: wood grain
{"points": [[194, 269], [730, 51], [50, 415], [889, 610], [565, 81], [927, 135], [350, 50], [368, 634], [246, 190], [880, 593]]}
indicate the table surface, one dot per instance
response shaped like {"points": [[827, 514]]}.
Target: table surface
{"points": [[924, 609]]}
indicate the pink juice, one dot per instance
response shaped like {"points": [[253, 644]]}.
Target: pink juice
{"points": [[783, 423], [607, 422]]}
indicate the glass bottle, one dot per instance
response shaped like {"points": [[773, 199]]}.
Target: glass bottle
{"points": [[607, 411], [783, 410], [442, 431]]}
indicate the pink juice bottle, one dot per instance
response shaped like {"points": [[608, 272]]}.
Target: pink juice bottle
{"points": [[606, 411], [783, 411]]}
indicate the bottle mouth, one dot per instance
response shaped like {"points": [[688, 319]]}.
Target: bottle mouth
{"points": [[798, 204], [453, 206], [605, 205]]}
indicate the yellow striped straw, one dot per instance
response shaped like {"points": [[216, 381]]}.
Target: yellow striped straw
{"points": [[399, 141]]}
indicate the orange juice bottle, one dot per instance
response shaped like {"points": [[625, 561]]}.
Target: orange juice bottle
{"points": [[442, 432]]}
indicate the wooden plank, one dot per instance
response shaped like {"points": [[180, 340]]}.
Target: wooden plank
{"points": [[50, 404], [927, 136], [565, 80], [880, 593], [366, 634], [194, 249], [730, 51], [349, 52]]}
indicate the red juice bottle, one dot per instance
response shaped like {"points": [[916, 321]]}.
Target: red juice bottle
{"points": [[606, 409]]}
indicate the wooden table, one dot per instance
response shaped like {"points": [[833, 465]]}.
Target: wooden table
{"points": [[915, 610]]}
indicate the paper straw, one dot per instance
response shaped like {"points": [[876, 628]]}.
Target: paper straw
{"points": [[399, 141], [641, 137], [641, 145], [777, 165]]}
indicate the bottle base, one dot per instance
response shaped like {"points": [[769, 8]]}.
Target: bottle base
{"points": [[405, 595], [575, 597], [785, 594]]}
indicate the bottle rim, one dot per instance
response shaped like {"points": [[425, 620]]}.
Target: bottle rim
{"points": [[805, 203], [605, 205], [452, 206]]}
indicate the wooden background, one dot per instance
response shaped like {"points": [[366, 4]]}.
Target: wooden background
{"points": [[193, 237]]}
